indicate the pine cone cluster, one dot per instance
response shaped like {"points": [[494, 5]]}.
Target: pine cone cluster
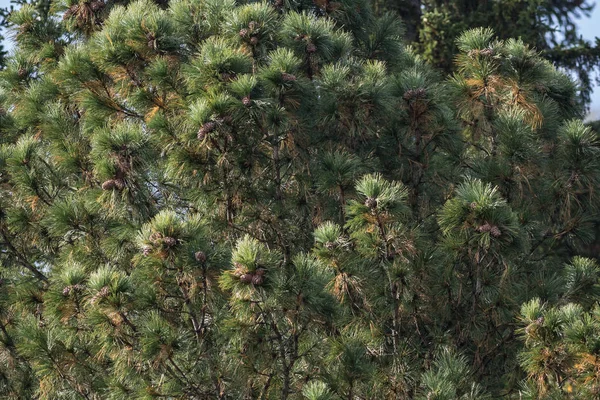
{"points": [[492, 229], [250, 34], [67, 290], [288, 77], [256, 278], [157, 239], [411, 94]]}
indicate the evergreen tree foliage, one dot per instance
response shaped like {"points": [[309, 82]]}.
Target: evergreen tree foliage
{"points": [[550, 26], [279, 200]]}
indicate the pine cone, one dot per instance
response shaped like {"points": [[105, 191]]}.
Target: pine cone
{"points": [[170, 241], [246, 278], [420, 92], [311, 48], [146, 250], [246, 101], [288, 77], [67, 290], [473, 205], [243, 33], [200, 257], [206, 128], [260, 271], [156, 237], [495, 231], [484, 228], [119, 184], [257, 280], [329, 245], [97, 5], [371, 202], [104, 292], [253, 40], [108, 185], [78, 287], [409, 94]]}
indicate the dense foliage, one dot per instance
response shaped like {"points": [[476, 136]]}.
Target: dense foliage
{"points": [[548, 25], [210, 199]]}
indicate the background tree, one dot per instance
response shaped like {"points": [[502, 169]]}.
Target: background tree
{"points": [[550, 26]]}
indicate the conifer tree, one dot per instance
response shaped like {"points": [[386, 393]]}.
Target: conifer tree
{"points": [[278, 200], [550, 26]]}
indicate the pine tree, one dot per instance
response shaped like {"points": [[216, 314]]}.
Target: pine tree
{"points": [[550, 26], [240, 200]]}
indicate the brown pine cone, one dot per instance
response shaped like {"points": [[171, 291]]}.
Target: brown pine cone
{"points": [[97, 5], [170, 241], [288, 77], [119, 184], [108, 184], [371, 202], [200, 257], [484, 228], [206, 128], [311, 48], [156, 237], [409, 94], [246, 278], [104, 292], [257, 280], [495, 231]]}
